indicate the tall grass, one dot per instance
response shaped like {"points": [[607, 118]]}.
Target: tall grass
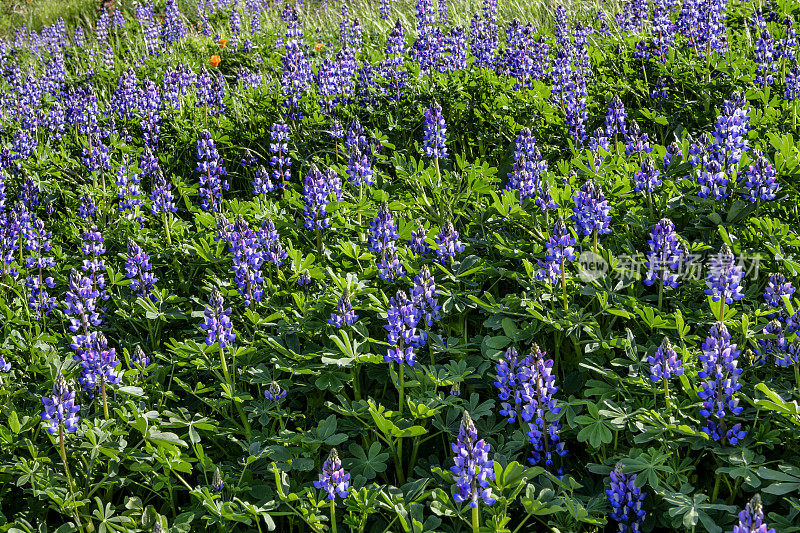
{"points": [[35, 14]]}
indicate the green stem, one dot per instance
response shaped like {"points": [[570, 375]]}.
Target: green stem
{"points": [[237, 405], [797, 376], [666, 393], [63, 453], [319, 243], [564, 286], [103, 394], [333, 516], [401, 375], [476, 520], [166, 227], [660, 294], [715, 493]]}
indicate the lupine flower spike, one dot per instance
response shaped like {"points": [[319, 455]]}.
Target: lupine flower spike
{"points": [[665, 364], [335, 481], [724, 279], [751, 518], [473, 469], [275, 392], [626, 501], [216, 481]]}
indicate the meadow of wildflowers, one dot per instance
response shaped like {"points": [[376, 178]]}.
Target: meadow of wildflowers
{"points": [[400, 266]]}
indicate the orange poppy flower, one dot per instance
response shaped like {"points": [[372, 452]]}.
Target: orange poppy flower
{"points": [[214, 60], [223, 41], [319, 46]]}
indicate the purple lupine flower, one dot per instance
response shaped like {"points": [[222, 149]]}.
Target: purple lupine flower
{"points": [[637, 142], [392, 69], [210, 93], [776, 347], [725, 277], [383, 243], [751, 519], [660, 90], [275, 392], [426, 46], [435, 135], [403, 319], [664, 363], [86, 207], [666, 255], [315, 196], [151, 105], [473, 469], [248, 259], [759, 180], [138, 269], [163, 201], [297, 73], [538, 388], [729, 143], [304, 279], [95, 268], [626, 500], [417, 244], [98, 364], [777, 287], [790, 356], [359, 168], [791, 87], [423, 296], [81, 306], [559, 250], [344, 315], [5, 366], [279, 161], [10, 233], [591, 210], [140, 359], [126, 100], [212, 173], [333, 479], [217, 322], [268, 237], [527, 172], [508, 374], [128, 193], [672, 151], [647, 179], [39, 244], [719, 369], [765, 52], [448, 242], [60, 409], [174, 28], [216, 481]]}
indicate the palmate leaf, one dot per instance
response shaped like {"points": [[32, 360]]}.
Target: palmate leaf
{"points": [[693, 509], [786, 478], [367, 463]]}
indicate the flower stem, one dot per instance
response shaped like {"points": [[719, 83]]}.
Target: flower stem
{"points": [[797, 375], [103, 394], [401, 374], [666, 393], [166, 228], [237, 405], [660, 294], [333, 516], [63, 453], [476, 520]]}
